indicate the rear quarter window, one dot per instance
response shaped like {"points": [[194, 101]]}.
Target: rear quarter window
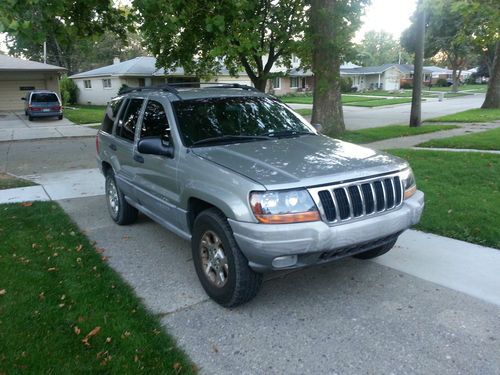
{"points": [[110, 116]]}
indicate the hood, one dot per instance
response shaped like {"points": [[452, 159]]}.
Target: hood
{"points": [[308, 160]]}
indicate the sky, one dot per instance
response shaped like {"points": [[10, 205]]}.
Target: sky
{"points": [[392, 16]]}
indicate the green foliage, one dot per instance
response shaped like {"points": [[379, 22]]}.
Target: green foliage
{"points": [[69, 91], [406, 86], [379, 47], [63, 24], [123, 88], [345, 84], [236, 34], [441, 82]]}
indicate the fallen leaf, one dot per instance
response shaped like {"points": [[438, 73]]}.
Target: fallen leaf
{"points": [[125, 237], [77, 330], [104, 258], [136, 358], [215, 349], [61, 305], [108, 339], [52, 269], [92, 333], [41, 296], [177, 366], [33, 245], [27, 204], [79, 248], [2, 292], [99, 250]]}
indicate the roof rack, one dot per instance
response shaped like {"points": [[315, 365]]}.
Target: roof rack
{"points": [[169, 87]]}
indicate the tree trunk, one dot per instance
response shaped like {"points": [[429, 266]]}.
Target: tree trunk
{"points": [[454, 79], [260, 83], [416, 100], [327, 104], [492, 99]]}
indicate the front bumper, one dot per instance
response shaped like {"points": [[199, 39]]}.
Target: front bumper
{"points": [[262, 243]]}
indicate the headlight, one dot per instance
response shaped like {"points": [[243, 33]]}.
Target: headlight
{"points": [[280, 207], [409, 183]]}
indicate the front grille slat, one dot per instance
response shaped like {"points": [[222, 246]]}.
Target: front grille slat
{"points": [[356, 200]]}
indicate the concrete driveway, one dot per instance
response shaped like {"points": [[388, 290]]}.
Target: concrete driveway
{"points": [[15, 126], [348, 317]]}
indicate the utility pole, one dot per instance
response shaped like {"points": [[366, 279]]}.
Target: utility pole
{"points": [[45, 52], [416, 100]]}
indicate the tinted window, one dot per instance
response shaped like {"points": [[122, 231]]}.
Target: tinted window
{"points": [[155, 123], [128, 119], [238, 116], [44, 97], [111, 112]]}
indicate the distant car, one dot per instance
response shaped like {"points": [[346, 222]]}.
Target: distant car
{"points": [[42, 103]]}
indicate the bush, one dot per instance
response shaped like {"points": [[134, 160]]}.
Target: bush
{"points": [[123, 89], [406, 85], [441, 82], [345, 84], [69, 91]]}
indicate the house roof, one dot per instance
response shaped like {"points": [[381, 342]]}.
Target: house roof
{"points": [[366, 70], [143, 66], [297, 72], [9, 63]]}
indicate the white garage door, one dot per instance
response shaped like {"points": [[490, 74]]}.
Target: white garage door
{"points": [[11, 93]]}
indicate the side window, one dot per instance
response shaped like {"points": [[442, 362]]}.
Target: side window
{"points": [[111, 112], [154, 122], [128, 119]]}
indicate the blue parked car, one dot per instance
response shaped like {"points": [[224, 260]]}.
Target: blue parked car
{"points": [[42, 103]]}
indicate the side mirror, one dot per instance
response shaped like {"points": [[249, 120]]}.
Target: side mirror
{"points": [[318, 127], [155, 146]]}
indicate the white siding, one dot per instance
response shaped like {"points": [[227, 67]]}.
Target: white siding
{"points": [[97, 94]]}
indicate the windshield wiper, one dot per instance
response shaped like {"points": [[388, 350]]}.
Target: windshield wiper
{"points": [[286, 133], [230, 138]]}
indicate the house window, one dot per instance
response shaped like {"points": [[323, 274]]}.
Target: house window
{"points": [[142, 82], [294, 82], [87, 83], [106, 83], [276, 83]]}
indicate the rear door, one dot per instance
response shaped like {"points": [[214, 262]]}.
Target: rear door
{"points": [[157, 175], [123, 145], [44, 102]]}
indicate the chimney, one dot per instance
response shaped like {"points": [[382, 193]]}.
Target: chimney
{"points": [[116, 60]]}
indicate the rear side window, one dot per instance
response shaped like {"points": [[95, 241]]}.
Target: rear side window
{"points": [[154, 122], [128, 119], [111, 113], [44, 97]]}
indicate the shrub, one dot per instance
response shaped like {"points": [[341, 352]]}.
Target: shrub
{"points": [[123, 89], [441, 82], [69, 91], [345, 84], [406, 85]]}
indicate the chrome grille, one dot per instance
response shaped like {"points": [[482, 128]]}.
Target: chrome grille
{"points": [[355, 200]]}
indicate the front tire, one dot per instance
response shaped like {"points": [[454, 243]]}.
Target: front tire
{"points": [[376, 252], [220, 265], [119, 209]]}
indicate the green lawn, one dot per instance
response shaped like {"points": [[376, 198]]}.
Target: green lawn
{"points": [[476, 88], [10, 182], [487, 140], [471, 115], [462, 194], [63, 310], [392, 131], [309, 99], [85, 114], [304, 112], [379, 102]]}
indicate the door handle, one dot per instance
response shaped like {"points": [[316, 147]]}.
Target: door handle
{"points": [[112, 146], [138, 158]]}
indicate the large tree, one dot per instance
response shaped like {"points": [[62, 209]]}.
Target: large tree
{"points": [[205, 36], [380, 47], [62, 24], [332, 27]]}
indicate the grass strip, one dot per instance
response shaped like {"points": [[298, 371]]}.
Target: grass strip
{"points": [[471, 115], [391, 131], [379, 102], [10, 182], [487, 140], [462, 194], [64, 310], [85, 114]]}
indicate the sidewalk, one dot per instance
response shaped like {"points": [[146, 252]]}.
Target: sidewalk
{"points": [[15, 127]]}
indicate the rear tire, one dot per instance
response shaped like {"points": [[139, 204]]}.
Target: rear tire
{"points": [[119, 209], [220, 265], [376, 252], [30, 118], [60, 117]]}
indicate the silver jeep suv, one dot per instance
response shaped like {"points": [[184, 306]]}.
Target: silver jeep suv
{"points": [[250, 183]]}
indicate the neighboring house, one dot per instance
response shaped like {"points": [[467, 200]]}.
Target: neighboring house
{"points": [[446, 74], [18, 76], [99, 85]]}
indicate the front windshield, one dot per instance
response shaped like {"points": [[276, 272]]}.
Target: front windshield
{"points": [[236, 119]]}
